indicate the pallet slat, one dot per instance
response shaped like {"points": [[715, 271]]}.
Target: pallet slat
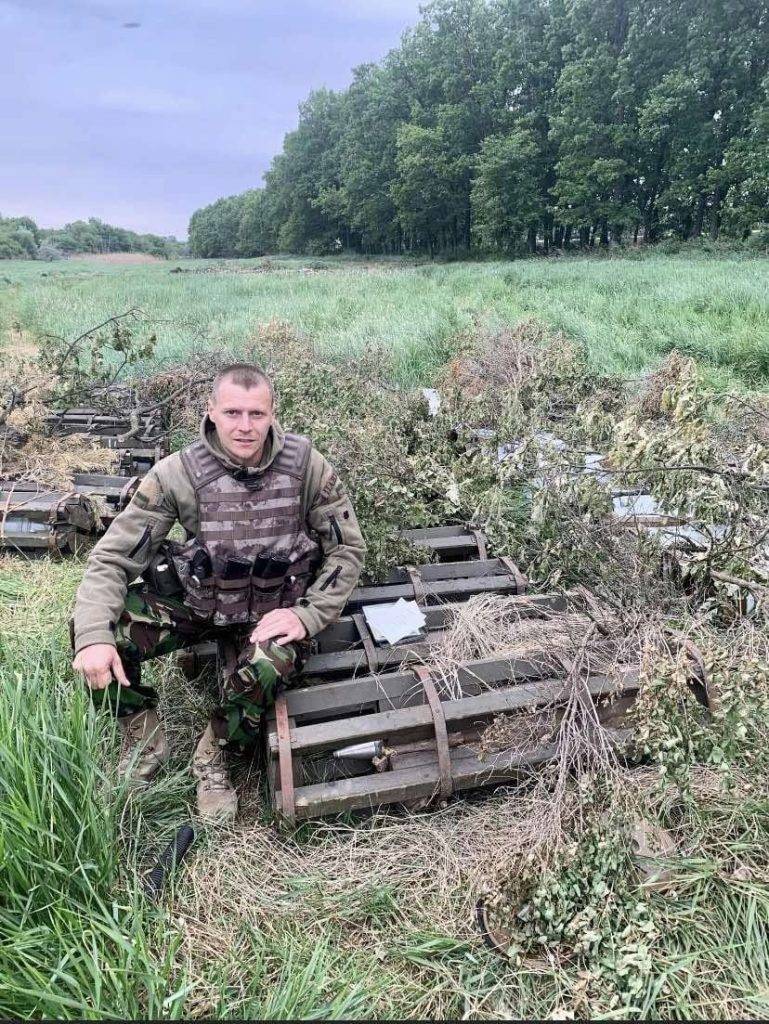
{"points": [[344, 731], [433, 590], [367, 792]]}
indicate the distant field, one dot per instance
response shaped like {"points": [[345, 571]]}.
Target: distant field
{"points": [[627, 312]]}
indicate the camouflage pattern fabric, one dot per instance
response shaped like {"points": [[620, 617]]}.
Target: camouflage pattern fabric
{"points": [[153, 625]]}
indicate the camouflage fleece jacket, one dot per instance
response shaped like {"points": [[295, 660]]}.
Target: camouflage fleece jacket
{"points": [[166, 496]]}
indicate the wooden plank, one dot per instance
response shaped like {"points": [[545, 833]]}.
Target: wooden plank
{"points": [[345, 731], [451, 545], [331, 698], [351, 662], [452, 570], [434, 590], [431, 532], [344, 632], [367, 792], [471, 676], [100, 483]]}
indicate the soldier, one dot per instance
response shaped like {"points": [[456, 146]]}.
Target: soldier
{"points": [[273, 551]]}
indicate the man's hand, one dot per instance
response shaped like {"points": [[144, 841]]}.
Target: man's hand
{"points": [[283, 626], [99, 663]]}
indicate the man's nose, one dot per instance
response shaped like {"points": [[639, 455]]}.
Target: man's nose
{"points": [[244, 421]]}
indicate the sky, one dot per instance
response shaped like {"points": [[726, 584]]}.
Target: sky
{"points": [[141, 111]]}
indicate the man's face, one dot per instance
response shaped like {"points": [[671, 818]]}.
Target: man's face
{"points": [[242, 417]]}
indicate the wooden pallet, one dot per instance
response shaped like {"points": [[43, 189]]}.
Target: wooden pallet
{"points": [[429, 742], [117, 491], [38, 520], [450, 542]]}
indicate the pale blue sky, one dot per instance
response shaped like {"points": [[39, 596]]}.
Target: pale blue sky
{"points": [[140, 111]]}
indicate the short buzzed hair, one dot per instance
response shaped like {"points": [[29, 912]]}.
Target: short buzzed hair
{"points": [[245, 375]]}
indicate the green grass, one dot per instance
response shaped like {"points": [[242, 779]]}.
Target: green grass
{"points": [[628, 313]]}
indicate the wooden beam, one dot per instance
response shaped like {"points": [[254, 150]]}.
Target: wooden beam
{"points": [[434, 590], [343, 634], [344, 731], [467, 772]]}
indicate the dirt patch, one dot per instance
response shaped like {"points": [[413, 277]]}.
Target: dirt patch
{"points": [[119, 258]]}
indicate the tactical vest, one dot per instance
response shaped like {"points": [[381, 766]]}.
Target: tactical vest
{"points": [[251, 525]]}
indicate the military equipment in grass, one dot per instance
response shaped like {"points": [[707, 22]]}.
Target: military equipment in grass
{"points": [[363, 742], [449, 542], [37, 520], [168, 861], [138, 437], [406, 732], [116, 491]]}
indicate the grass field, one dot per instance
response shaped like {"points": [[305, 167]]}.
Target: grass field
{"points": [[626, 312], [365, 919]]}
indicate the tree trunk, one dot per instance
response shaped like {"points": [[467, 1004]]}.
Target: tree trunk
{"points": [[699, 216], [715, 214]]}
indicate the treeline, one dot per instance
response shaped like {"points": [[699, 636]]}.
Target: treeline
{"points": [[503, 126], [21, 238]]}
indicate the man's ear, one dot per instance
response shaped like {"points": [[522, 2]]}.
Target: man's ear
{"points": [[209, 406]]}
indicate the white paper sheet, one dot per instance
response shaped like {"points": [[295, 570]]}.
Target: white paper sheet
{"points": [[394, 621]]}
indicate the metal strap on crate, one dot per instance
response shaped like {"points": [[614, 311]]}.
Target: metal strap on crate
{"points": [[441, 732], [285, 760], [520, 580], [367, 640], [417, 583], [480, 541]]}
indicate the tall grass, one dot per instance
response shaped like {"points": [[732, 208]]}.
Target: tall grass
{"points": [[627, 312]]}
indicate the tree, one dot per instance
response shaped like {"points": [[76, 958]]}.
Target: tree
{"points": [[505, 197]]}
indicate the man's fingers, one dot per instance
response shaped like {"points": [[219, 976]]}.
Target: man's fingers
{"points": [[118, 671], [283, 639], [98, 680]]}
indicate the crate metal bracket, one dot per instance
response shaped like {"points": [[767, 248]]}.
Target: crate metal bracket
{"points": [[446, 783], [285, 760]]}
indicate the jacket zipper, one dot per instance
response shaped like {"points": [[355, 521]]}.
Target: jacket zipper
{"points": [[335, 529], [141, 542], [331, 580]]}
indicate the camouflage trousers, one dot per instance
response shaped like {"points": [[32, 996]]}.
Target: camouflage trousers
{"points": [[153, 625]]}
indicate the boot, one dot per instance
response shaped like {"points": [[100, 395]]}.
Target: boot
{"points": [[143, 748], [217, 799]]}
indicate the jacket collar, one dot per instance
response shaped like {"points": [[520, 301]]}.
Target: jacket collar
{"points": [[272, 445]]}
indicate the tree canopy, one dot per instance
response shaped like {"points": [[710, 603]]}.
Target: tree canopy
{"points": [[21, 238], [510, 125]]}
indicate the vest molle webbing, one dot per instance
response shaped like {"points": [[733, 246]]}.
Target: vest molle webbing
{"points": [[252, 522]]}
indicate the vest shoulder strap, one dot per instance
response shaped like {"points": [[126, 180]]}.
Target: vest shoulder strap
{"points": [[202, 468], [294, 456]]}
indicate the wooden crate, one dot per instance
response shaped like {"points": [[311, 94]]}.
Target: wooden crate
{"points": [[37, 520], [430, 742], [450, 542], [137, 453], [117, 491]]}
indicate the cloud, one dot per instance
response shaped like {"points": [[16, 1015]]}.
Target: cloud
{"points": [[142, 100]]}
